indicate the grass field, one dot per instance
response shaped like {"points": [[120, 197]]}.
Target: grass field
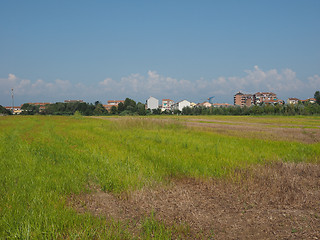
{"points": [[46, 160]]}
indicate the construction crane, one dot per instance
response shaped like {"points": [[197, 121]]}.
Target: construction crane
{"points": [[210, 99]]}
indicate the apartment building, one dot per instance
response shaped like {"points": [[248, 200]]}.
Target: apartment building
{"points": [[241, 99], [261, 97], [180, 105], [152, 103], [274, 102], [166, 104]]}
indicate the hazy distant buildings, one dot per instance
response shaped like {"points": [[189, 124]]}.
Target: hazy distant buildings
{"points": [[41, 105], [18, 110], [14, 110], [193, 104], [221, 105], [73, 101], [297, 100], [204, 104], [112, 103], [310, 100]]}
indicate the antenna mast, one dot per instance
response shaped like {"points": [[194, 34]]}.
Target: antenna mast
{"points": [[12, 100]]}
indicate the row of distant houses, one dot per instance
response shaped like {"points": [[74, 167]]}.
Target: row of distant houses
{"points": [[15, 110], [112, 103], [41, 105], [168, 104], [296, 100], [18, 110], [241, 99]]}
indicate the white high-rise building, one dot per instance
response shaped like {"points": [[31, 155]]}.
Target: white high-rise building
{"points": [[152, 103]]}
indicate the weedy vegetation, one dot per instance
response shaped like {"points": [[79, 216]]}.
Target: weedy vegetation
{"points": [[45, 159]]}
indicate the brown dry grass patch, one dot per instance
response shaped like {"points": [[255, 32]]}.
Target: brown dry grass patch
{"points": [[278, 201], [261, 131], [298, 133]]}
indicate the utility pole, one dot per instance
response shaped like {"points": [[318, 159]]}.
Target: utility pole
{"points": [[12, 100]]}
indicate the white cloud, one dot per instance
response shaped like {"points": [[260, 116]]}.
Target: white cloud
{"points": [[107, 82], [314, 82], [64, 85], [284, 82], [12, 77]]}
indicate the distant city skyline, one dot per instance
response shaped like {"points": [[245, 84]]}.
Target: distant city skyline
{"points": [[104, 50]]}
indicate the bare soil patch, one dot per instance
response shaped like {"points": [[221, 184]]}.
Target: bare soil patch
{"points": [[278, 201]]}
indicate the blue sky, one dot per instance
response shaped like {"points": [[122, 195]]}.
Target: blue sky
{"points": [[100, 50]]}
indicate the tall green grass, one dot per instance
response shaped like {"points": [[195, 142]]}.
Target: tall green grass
{"points": [[43, 160]]}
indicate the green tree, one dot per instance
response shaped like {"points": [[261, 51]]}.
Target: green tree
{"points": [[186, 111], [29, 109], [77, 115], [130, 105], [166, 112], [156, 111], [141, 109], [317, 96], [256, 110], [99, 109], [5, 111], [176, 111], [121, 107], [113, 110]]}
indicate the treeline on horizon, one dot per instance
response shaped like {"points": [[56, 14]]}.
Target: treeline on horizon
{"points": [[130, 107]]}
